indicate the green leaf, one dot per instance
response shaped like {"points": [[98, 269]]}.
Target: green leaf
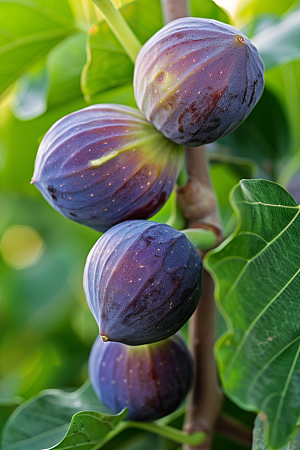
{"points": [[259, 437], [264, 136], [7, 406], [29, 99], [209, 9], [226, 171], [28, 30], [55, 82], [143, 20], [43, 421], [284, 82], [257, 274], [280, 43], [108, 65], [88, 430], [64, 66]]}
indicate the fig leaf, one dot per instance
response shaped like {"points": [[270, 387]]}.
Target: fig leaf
{"points": [[257, 275]]}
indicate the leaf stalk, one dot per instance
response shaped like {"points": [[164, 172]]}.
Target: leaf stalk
{"points": [[119, 27]]}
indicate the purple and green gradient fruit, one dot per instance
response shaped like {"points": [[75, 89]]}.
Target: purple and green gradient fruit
{"points": [[151, 380], [105, 164], [142, 282], [197, 79]]}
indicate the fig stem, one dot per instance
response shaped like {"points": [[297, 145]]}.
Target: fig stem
{"points": [[120, 28], [169, 432], [201, 238]]}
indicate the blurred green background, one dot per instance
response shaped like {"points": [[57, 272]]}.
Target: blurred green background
{"points": [[58, 57]]}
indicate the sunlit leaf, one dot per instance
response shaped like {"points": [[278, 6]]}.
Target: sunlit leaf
{"points": [[248, 9], [28, 30], [257, 273], [43, 421], [260, 23], [280, 43]]}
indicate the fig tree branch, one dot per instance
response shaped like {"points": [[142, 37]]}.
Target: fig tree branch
{"points": [[198, 203], [174, 9]]}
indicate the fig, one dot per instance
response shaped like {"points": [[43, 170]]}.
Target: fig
{"points": [[105, 164], [151, 380], [142, 282], [197, 79]]}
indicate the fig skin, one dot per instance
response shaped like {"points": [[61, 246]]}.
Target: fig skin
{"points": [[142, 282], [151, 380], [197, 79], [105, 164]]}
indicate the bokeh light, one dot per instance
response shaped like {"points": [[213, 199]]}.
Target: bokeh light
{"points": [[21, 246]]}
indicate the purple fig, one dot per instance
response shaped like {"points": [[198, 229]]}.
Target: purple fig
{"points": [[197, 79], [142, 282], [151, 380], [105, 164]]}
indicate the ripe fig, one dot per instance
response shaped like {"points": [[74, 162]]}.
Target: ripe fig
{"points": [[151, 380], [142, 282], [105, 164], [197, 79]]}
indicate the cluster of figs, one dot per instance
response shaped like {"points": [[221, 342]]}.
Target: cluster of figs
{"points": [[111, 167]]}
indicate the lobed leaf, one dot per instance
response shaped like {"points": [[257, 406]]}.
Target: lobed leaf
{"points": [[257, 273], [28, 30]]}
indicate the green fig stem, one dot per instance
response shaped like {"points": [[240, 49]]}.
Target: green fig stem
{"points": [[120, 28], [166, 431], [201, 238], [169, 432]]}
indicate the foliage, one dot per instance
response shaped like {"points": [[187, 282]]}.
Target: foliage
{"points": [[58, 57]]}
